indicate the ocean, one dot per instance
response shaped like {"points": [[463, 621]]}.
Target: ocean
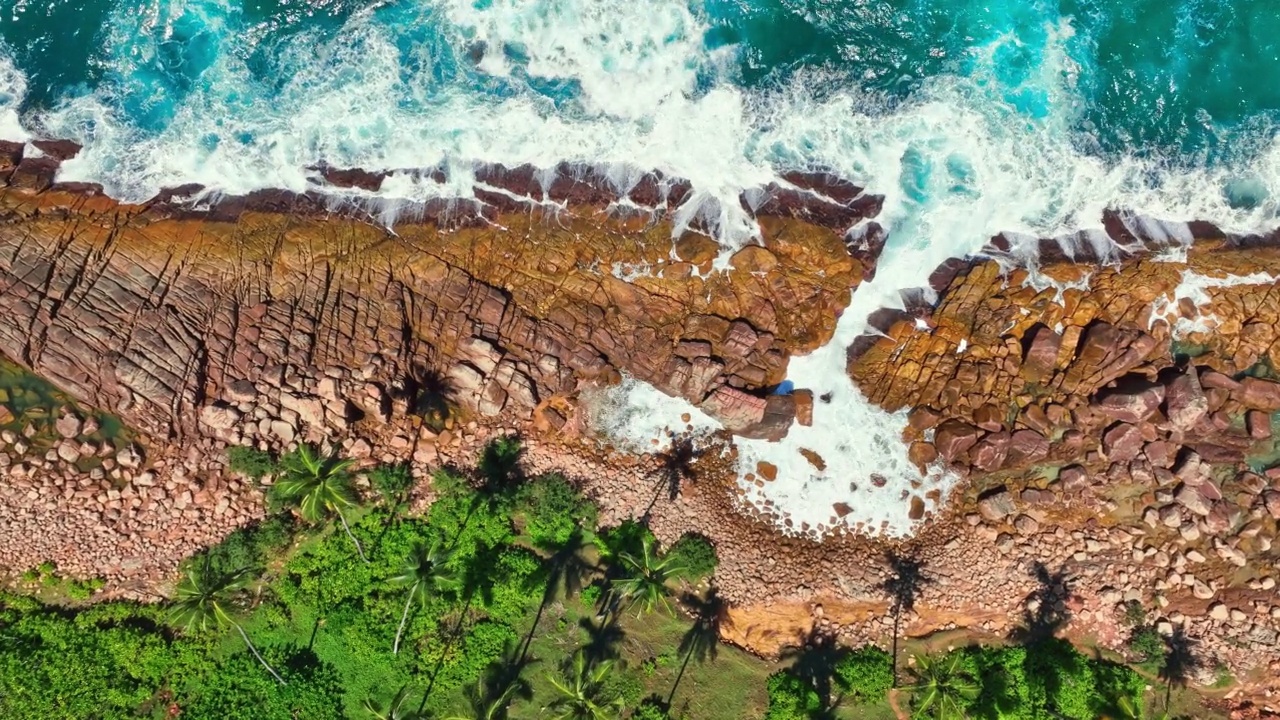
{"points": [[971, 118]]}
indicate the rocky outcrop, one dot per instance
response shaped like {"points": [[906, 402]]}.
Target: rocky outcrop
{"points": [[173, 314]]}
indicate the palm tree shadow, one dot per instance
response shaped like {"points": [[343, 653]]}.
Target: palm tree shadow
{"points": [[500, 465], [429, 395], [676, 466], [906, 581], [1180, 661], [815, 660], [562, 571], [604, 636], [701, 641], [1045, 609]]}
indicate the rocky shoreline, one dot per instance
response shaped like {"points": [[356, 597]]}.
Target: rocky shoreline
{"points": [[1121, 444]]}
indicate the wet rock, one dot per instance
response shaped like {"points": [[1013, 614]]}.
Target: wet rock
{"points": [[804, 407], [922, 454], [917, 508], [954, 437]]}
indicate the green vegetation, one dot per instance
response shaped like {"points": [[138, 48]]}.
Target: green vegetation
{"points": [[503, 602], [250, 462]]}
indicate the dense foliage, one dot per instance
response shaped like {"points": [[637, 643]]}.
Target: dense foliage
{"points": [[695, 555], [864, 675], [252, 463]]}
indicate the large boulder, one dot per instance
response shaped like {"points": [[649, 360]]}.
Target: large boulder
{"points": [[1259, 394], [1190, 497], [954, 437], [1122, 442], [1133, 401], [990, 452], [1185, 402], [219, 417], [1026, 447], [996, 505], [751, 416], [1041, 354]]}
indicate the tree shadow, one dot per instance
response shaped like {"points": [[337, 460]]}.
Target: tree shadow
{"points": [[477, 581], [561, 572], [500, 465], [604, 635], [1045, 609], [906, 581], [1180, 661], [814, 661], [501, 684], [676, 466], [701, 641], [429, 396]]}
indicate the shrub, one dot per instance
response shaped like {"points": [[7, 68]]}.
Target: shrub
{"points": [[1146, 644], [695, 556], [622, 683], [628, 537], [1134, 614], [651, 709], [250, 462], [251, 546], [790, 697], [391, 481], [865, 675], [552, 510]]}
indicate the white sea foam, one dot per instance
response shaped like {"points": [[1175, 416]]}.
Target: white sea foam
{"points": [[1195, 288]]}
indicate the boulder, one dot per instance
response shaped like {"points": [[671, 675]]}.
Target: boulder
{"points": [[989, 418], [1073, 478], [750, 416], [68, 426], [1027, 447], [1259, 424], [1133, 402], [1190, 498], [923, 418], [996, 505], [1042, 346], [1122, 442], [989, 453], [804, 407], [922, 454], [1271, 501], [1185, 403], [219, 417], [1161, 453], [1258, 394], [954, 437]]}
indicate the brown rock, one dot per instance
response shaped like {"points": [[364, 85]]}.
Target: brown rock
{"points": [[1191, 498], [996, 505], [1027, 447], [1161, 453], [1041, 355], [954, 437], [990, 452], [1258, 394], [989, 418], [1122, 442], [922, 418], [1035, 418], [804, 407], [1185, 402], [1271, 501], [841, 509], [1214, 379], [1073, 478], [767, 470], [922, 454], [1259, 424], [1133, 402]]}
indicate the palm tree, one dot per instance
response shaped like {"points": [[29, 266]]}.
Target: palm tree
{"points": [[425, 571], [644, 583], [581, 692], [395, 710], [943, 687], [702, 639], [201, 602], [317, 486]]}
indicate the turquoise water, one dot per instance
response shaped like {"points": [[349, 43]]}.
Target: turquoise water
{"points": [[971, 116]]}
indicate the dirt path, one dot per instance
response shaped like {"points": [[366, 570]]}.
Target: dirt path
{"points": [[894, 695]]}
